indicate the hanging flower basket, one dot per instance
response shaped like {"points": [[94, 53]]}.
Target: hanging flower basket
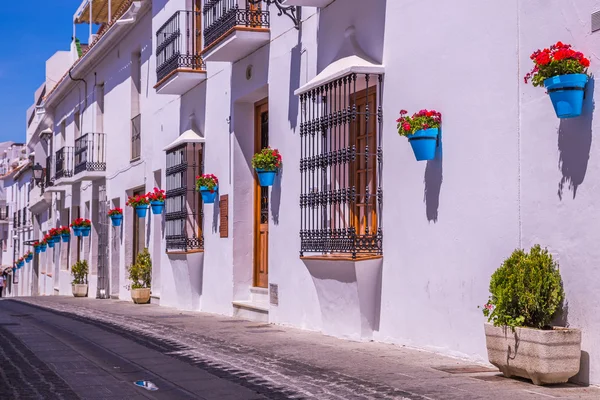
{"points": [[140, 204], [65, 234], [116, 216], [266, 164], [157, 200], [81, 227], [422, 131], [49, 240], [21, 262], [208, 186], [37, 247], [28, 256], [76, 231], [43, 247], [564, 73]]}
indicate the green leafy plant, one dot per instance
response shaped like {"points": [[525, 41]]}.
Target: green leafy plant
{"points": [[140, 272], [209, 181], [80, 272], [525, 291], [424, 119], [268, 159], [559, 59]]}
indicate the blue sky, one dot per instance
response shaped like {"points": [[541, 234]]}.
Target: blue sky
{"points": [[30, 32]]}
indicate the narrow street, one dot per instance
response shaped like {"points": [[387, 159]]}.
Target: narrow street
{"points": [[67, 348]]}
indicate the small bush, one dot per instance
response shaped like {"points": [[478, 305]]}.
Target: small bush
{"points": [[140, 273], [526, 290], [80, 272]]}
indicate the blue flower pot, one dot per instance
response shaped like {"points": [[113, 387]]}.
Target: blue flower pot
{"points": [[265, 177], [57, 238], [566, 93], [66, 237], [85, 231], [157, 207], [37, 250], [424, 143], [141, 211], [77, 231], [51, 243], [29, 258], [116, 219], [20, 264], [207, 196], [43, 248]]}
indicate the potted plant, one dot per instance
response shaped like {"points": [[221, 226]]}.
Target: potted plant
{"points": [[140, 204], [157, 200], [422, 131], [116, 216], [65, 233], [37, 247], [43, 245], [79, 271], [28, 256], [55, 233], [20, 262], [564, 73], [140, 275], [76, 228], [207, 185], [266, 164], [49, 239], [81, 227], [526, 295]]}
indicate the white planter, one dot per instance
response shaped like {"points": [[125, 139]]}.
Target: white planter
{"points": [[544, 356], [140, 296], [80, 290]]}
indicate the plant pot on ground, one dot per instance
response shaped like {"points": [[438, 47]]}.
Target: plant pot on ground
{"points": [[526, 296], [79, 271], [140, 275]]}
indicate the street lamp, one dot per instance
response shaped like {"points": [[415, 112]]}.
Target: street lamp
{"points": [[38, 171]]}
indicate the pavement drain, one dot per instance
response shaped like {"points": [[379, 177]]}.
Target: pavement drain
{"points": [[465, 369], [146, 385]]}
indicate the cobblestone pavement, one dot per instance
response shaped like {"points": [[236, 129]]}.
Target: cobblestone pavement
{"points": [[275, 362]]}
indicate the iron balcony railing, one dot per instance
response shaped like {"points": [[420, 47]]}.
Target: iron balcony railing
{"points": [[49, 172], [64, 163], [178, 44], [221, 16], [90, 153]]}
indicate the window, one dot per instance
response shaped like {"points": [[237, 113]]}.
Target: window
{"points": [[136, 137], [340, 166], [183, 204], [136, 120]]}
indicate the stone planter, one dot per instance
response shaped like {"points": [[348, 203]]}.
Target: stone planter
{"points": [[140, 296], [80, 290], [544, 356]]}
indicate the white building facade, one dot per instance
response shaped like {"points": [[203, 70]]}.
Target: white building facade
{"points": [[355, 239]]}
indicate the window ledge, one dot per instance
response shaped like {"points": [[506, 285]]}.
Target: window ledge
{"points": [[135, 159], [343, 257], [185, 252], [50, 275]]}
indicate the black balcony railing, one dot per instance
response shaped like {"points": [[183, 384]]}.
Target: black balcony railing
{"points": [[220, 16], [178, 44], [64, 163], [90, 153]]}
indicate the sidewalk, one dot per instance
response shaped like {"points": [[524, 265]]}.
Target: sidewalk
{"points": [[304, 364]]}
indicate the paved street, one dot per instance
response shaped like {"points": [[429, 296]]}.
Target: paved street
{"points": [[67, 348]]}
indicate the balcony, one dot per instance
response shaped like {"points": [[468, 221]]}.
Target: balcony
{"points": [[90, 157], [178, 47], [63, 166], [234, 29]]}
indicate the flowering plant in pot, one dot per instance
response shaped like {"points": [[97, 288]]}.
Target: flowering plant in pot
{"points": [[20, 262], [267, 164], [422, 131], [28, 256], [208, 185], [65, 233], [49, 239], [116, 216], [140, 275], [43, 245], [55, 234], [37, 247], [526, 296], [139, 203], [564, 73], [157, 200], [81, 227], [79, 271]]}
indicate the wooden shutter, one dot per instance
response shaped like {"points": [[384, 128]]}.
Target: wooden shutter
{"points": [[224, 216]]}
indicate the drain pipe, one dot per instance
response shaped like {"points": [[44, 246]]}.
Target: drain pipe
{"points": [[85, 94]]}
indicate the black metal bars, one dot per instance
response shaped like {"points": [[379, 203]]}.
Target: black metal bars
{"points": [[64, 162], [221, 16], [90, 153]]}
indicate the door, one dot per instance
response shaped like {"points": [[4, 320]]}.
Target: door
{"points": [[138, 231], [197, 31], [261, 200]]}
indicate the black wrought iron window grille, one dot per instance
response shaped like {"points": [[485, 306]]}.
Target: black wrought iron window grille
{"points": [[183, 207], [90, 153], [64, 162], [136, 137], [222, 16], [341, 167], [179, 44]]}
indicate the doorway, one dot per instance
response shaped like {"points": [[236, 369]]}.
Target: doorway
{"points": [[261, 200], [138, 231]]}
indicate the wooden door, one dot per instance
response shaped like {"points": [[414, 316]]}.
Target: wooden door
{"points": [[197, 32], [261, 200]]}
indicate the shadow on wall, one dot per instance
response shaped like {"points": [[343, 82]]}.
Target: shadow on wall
{"points": [[216, 209], [276, 197], [433, 183], [295, 62], [574, 143]]}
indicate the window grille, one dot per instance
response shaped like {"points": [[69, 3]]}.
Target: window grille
{"points": [[183, 230], [340, 166], [136, 137]]}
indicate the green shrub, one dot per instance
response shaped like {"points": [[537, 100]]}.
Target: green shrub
{"points": [[80, 272], [140, 273], [525, 291]]}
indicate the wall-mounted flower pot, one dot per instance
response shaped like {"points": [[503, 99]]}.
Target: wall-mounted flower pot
{"points": [[29, 258], [85, 231], [66, 237], [77, 231], [265, 177], [566, 93], [424, 143], [20, 264], [43, 248], [51, 243], [141, 211], [116, 219], [157, 207], [207, 196], [57, 239], [37, 250]]}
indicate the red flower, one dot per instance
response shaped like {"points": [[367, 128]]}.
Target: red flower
{"points": [[406, 127], [585, 62], [543, 59], [403, 112]]}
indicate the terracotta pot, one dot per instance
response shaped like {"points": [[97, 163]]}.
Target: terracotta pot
{"points": [[80, 290], [544, 356], [140, 296]]}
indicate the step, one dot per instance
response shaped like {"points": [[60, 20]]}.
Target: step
{"points": [[257, 311], [259, 295]]}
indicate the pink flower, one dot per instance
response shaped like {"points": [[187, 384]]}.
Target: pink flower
{"points": [[406, 127]]}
